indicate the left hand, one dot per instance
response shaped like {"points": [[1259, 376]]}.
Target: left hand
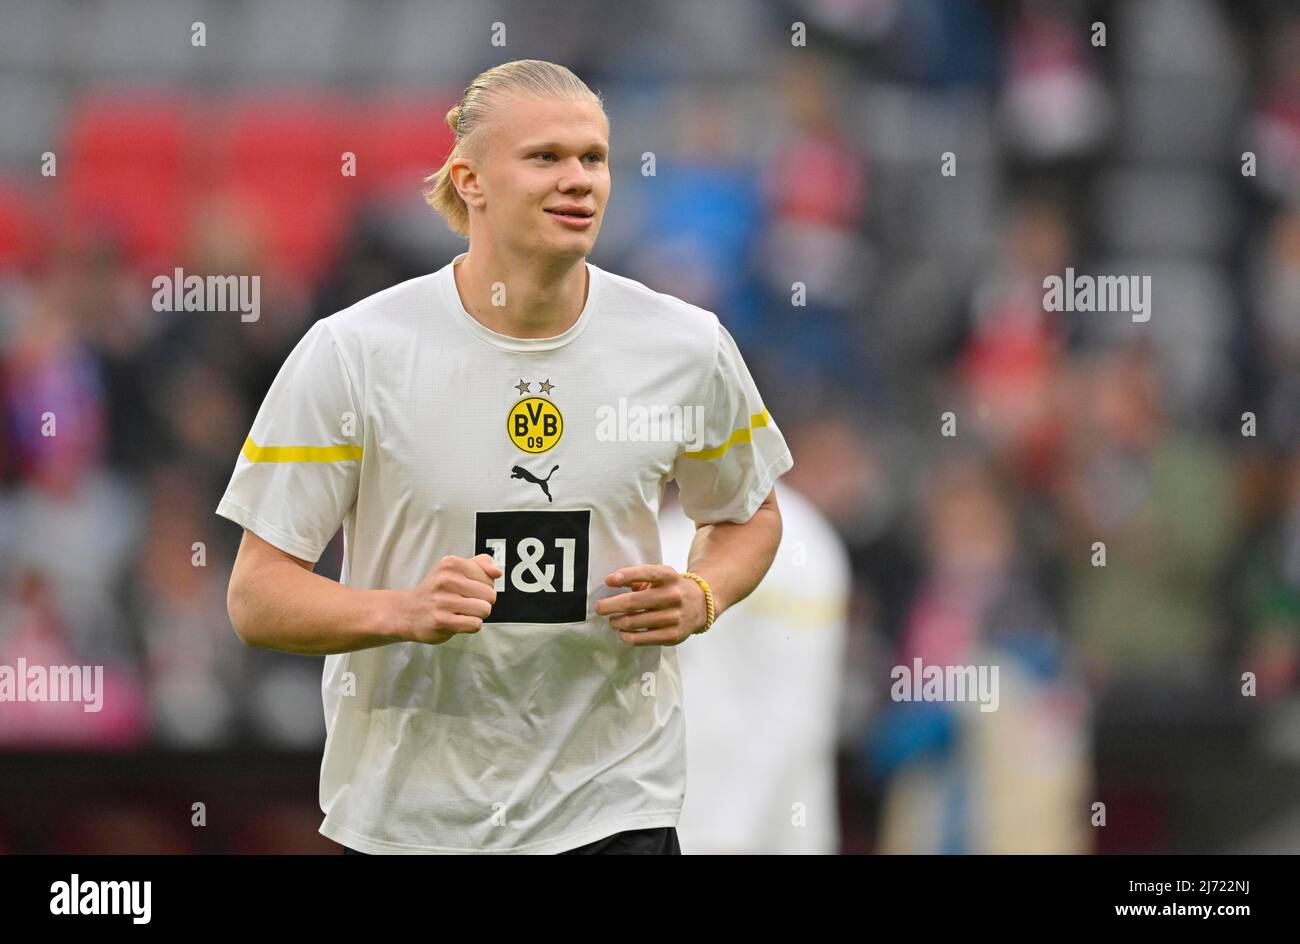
{"points": [[663, 609]]}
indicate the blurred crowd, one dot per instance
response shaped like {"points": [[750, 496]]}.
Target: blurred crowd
{"points": [[1173, 445]]}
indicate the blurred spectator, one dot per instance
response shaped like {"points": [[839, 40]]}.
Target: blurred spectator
{"points": [[1276, 126], [1010, 364], [815, 190], [110, 713], [194, 661], [763, 692], [1271, 591], [1054, 104], [1160, 501], [962, 778], [1278, 299]]}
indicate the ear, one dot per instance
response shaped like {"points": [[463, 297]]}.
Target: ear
{"points": [[466, 180]]}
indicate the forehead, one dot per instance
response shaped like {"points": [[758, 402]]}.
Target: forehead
{"points": [[577, 123]]}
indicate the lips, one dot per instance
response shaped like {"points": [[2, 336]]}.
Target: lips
{"points": [[574, 211]]}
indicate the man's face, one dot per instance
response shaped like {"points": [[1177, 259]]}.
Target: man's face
{"points": [[541, 156]]}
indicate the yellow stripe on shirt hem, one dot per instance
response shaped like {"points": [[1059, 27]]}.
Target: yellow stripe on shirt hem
{"points": [[742, 435], [255, 453]]}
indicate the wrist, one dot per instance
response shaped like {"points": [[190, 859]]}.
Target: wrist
{"points": [[708, 601], [389, 619]]}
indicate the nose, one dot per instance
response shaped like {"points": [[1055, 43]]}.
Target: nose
{"points": [[576, 177]]}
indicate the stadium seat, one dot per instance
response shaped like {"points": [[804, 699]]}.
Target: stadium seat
{"points": [[22, 234], [123, 164], [282, 156], [404, 141]]}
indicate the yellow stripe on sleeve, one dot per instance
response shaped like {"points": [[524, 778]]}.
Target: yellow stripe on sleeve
{"points": [[743, 435], [255, 453]]}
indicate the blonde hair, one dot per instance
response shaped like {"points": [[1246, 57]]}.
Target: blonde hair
{"points": [[521, 77]]}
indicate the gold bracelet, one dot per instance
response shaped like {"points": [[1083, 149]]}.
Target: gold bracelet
{"points": [[709, 612]]}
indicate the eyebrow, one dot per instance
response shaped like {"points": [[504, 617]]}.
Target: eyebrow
{"points": [[554, 146]]}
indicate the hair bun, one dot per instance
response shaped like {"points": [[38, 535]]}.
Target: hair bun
{"points": [[453, 118]]}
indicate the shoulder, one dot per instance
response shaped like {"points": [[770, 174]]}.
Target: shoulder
{"points": [[385, 306], [637, 308], [388, 317]]}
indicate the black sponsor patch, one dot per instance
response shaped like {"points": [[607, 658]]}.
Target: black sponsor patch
{"points": [[543, 558]]}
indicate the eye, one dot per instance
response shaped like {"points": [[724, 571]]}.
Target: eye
{"points": [[597, 155], [544, 154]]}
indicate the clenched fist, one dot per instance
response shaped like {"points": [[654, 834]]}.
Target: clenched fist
{"points": [[456, 596]]}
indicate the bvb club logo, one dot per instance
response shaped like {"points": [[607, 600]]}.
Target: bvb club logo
{"points": [[534, 424]]}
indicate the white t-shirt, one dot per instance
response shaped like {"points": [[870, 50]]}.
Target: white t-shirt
{"points": [[425, 433], [763, 697]]}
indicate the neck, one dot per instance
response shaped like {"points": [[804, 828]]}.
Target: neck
{"points": [[543, 296]]}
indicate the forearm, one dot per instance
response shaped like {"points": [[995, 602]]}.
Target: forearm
{"points": [[734, 558], [281, 606]]}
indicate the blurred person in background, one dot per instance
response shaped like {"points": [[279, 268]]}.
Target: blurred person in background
{"points": [[1275, 123], [699, 230], [72, 519], [762, 708], [814, 190], [1270, 587], [961, 779], [32, 628], [1160, 500], [1010, 362], [1053, 107], [195, 667], [1275, 279]]}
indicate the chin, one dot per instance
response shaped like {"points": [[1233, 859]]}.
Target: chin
{"points": [[578, 244]]}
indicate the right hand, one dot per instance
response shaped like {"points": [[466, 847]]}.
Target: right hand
{"points": [[454, 597]]}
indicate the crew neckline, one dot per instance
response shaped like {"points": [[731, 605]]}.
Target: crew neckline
{"points": [[507, 342]]}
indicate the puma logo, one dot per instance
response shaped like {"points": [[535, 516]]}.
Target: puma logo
{"points": [[519, 472]]}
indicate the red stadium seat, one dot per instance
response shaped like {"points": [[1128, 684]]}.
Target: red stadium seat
{"points": [[406, 140], [124, 167], [282, 156], [23, 235]]}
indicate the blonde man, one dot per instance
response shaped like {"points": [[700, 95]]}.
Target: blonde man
{"points": [[500, 674]]}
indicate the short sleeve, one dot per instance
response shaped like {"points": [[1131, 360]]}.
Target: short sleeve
{"points": [[296, 477], [728, 473]]}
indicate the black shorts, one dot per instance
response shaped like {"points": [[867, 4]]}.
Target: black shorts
{"points": [[658, 840]]}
